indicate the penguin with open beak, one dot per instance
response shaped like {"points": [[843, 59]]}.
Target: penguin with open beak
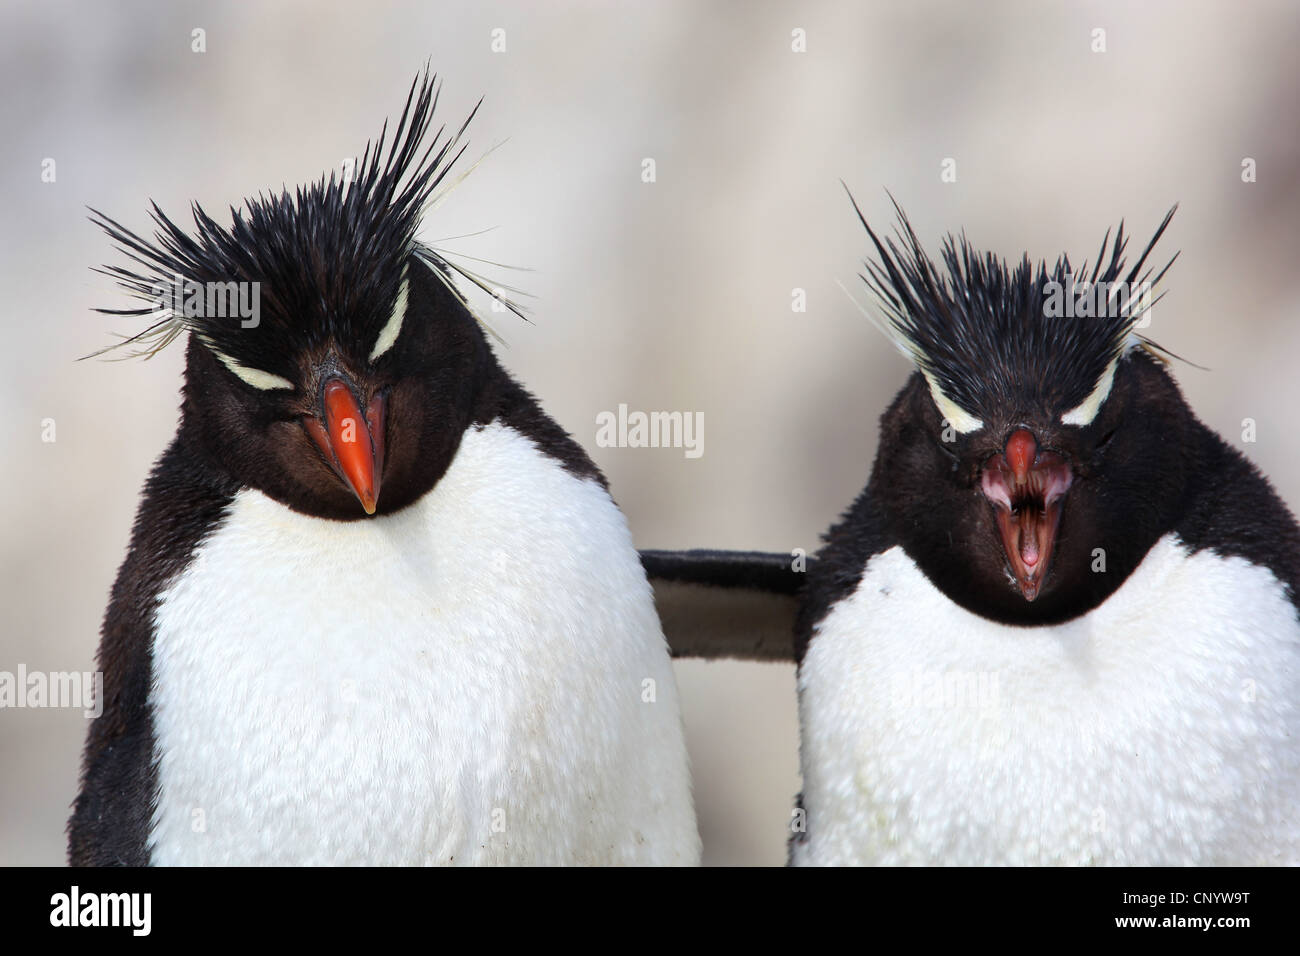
{"points": [[378, 607], [1059, 625]]}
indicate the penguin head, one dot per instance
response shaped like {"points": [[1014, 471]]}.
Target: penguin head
{"points": [[1033, 457], [331, 362]]}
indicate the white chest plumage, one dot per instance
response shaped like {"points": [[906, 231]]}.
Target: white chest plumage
{"points": [[479, 678], [1161, 728]]}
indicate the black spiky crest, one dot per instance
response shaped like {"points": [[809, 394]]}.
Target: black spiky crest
{"points": [[328, 258], [979, 332]]}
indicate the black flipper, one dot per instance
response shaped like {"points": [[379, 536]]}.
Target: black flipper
{"points": [[737, 604]]}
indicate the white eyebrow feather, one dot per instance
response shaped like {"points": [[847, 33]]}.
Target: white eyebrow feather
{"points": [[254, 377], [1086, 411], [393, 327], [961, 420]]}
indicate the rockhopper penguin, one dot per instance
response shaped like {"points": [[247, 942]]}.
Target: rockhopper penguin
{"points": [[378, 608], [1059, 626]]}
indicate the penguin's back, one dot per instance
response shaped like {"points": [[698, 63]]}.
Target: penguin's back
{"points": [[478, 678]]}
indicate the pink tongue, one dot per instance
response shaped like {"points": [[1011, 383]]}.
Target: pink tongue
{"points": [[1029, 548], [1029, 539]]}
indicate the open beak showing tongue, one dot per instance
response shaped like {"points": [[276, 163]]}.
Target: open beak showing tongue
{"points": [[1027, 488]]}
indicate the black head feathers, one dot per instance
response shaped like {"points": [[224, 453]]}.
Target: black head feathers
{"points": [[324, 263], [990, 339]]}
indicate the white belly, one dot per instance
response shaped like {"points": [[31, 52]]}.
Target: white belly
{"points": [[480, 678], [1162, 728]]}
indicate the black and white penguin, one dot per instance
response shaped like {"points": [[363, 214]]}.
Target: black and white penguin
{"points": [[378, 608], [1059, 626]]}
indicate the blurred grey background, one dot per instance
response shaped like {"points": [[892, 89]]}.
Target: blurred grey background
{"points": [[674, 295]]}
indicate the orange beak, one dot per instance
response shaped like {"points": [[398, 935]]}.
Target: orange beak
{"points": [[353, 442]]}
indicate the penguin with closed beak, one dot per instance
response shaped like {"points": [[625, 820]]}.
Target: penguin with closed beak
{"points": [[1059, 625], [378, 607]]}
